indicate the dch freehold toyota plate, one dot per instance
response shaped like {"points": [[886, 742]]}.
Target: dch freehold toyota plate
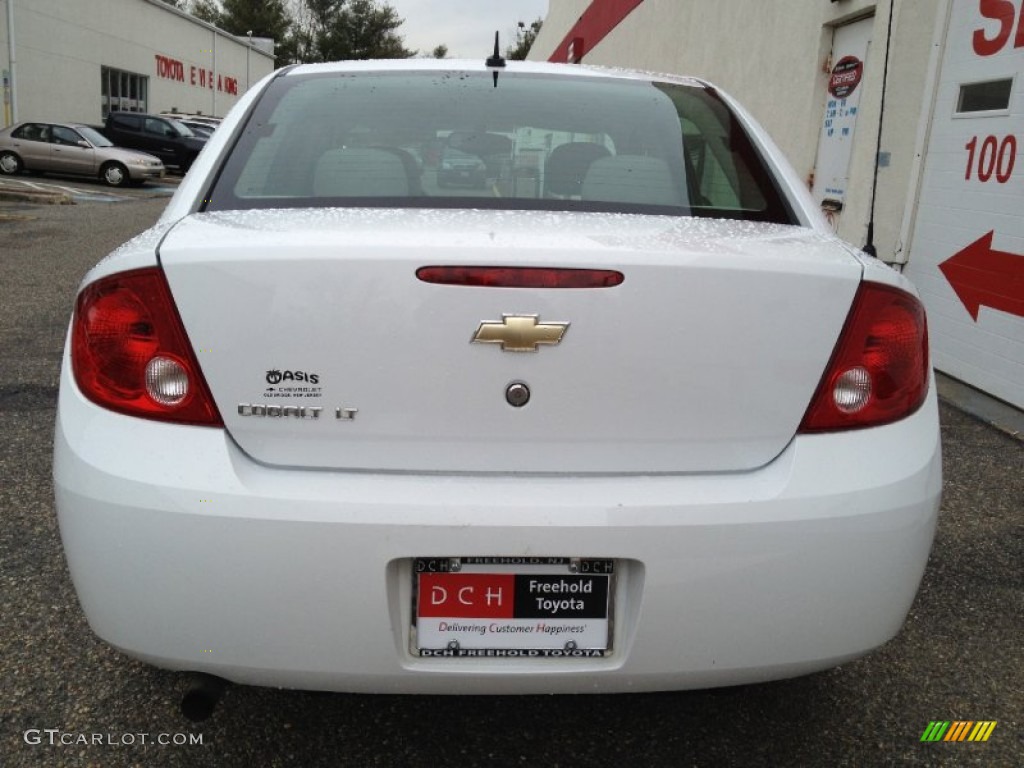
{"points": [[512, 607]]}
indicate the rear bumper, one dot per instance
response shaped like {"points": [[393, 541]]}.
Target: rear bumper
{"points": [[188, 555]]}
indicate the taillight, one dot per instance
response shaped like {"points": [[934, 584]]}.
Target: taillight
{"points": [[129, 351], [879, 370]]}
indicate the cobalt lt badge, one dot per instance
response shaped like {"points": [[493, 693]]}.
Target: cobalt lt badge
{"points": [[519, 333]]}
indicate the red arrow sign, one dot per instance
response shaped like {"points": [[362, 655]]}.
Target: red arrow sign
{"points": [[983, 277]]}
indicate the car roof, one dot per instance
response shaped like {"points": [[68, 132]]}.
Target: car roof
{"points": [[479, 65], [46, 122]]}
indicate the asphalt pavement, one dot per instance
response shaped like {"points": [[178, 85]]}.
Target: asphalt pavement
{"points": [[67, 699]]}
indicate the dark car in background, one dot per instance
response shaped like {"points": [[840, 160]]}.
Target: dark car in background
{"points": [[461, 169], [74, 149], [168, 139]]}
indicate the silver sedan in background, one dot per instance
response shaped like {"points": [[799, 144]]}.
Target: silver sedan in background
{"points": [[75, 149]]}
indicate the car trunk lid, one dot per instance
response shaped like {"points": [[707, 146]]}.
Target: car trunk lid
{"points": [[324, 349]]}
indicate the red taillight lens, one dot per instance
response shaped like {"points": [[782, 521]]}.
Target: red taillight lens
{"points": [[520, 277], [129, 351], [879, 370]]}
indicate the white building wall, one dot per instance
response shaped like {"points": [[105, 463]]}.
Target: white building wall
{"points": [[913, 37], [562, 14], [967, 252], [774, 57], [61, 45]]}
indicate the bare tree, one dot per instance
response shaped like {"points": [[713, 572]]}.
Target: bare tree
{"points": [[525, 36]]}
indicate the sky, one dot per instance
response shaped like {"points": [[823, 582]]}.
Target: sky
{"points": [[467, 27]]}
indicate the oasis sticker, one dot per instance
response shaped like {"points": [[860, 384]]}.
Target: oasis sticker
{"points": [[292, 384]]}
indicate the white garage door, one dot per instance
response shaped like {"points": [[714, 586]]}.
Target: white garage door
{"points": [[967, 255]]}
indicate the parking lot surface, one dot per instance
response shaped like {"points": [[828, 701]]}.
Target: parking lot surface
{"points": [[70, 700], [56, 189]]}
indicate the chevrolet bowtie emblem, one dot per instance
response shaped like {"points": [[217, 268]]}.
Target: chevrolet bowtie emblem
{"points": [[519, 333]]}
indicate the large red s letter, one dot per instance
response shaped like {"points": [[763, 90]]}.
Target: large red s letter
{"points": [[1005, 13]]}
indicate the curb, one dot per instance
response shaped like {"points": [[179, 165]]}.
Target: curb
{"points": [[35, 196], [1003, 416]]}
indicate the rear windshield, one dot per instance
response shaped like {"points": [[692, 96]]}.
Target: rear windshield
{"points": [[455, 140]]}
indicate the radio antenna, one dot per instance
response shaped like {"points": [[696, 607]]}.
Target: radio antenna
{"points": [[496, 61]]}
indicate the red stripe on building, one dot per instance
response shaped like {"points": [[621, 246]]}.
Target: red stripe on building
{"points": [[600, 18]]}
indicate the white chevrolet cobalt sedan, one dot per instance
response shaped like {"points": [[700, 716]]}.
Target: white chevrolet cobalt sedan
{"points": [[621, 415]]}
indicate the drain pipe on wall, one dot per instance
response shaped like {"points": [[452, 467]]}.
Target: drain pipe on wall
{"points": [[869, 246], [12, 89], [213, 86]]}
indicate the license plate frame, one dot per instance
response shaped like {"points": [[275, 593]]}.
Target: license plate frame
{"points": [[513, 607]]}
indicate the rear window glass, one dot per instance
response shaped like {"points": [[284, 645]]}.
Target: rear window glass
{"points": [[32, 132], [451, 139]]}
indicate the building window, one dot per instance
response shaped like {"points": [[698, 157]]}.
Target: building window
{"points": [[989, 96], [122, 91]]}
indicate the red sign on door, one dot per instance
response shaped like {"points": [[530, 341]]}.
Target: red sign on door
{"points": [[846, 77]]}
